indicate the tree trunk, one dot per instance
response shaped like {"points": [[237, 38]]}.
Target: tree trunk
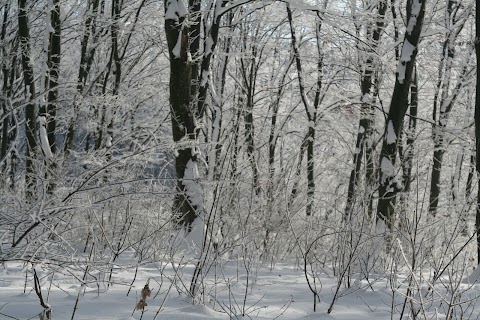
{"points": [[477, 126], [86, 60], [48, 115], [30, 94], [310, 108], [444, 100], [5, 91], [389, 186], [412, 126], [54, 69], [363, 146], [187, 201]]}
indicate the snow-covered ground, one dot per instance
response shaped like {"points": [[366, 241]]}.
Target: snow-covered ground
{"points": [[278, 292]]}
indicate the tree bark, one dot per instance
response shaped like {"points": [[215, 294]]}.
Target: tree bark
{"points": [[364, 145], [182, 115], [30, 94], [444, 101], [389, 186], [54, 70], [477, 126], [5, 90], [311, 109], [86, 59]]}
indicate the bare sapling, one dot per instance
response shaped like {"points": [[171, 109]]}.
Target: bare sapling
{"points": [[46, 314]]}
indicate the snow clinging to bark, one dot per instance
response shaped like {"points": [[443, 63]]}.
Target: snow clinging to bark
{"points": [[209, 45], [178, 46], [192, 189], [47, 152], [175, 9], [407, 53], [391, 136], [387, 169], [412, 21]]}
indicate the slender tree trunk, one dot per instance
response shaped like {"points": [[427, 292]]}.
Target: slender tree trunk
{"points": [[444, 101], [248, 70], [364, 145], [86, 59], [5, 90], [406, 152], [194, 7], [273, 137], [54, 69], [477, 126], [468, 194], [48, 115], [30, 131], [311, 109], [117, 62], [412, 126]]}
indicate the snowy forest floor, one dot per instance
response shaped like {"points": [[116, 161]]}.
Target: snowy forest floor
{"points": [[274, 292]]}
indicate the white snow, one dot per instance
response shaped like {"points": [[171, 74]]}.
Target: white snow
{"points": [[47, 152], [407, 52], [412, 22], [109, 141], [175, 9], [192, 188], [204, 80], [361, 130], [391, 137], [178, 46], [209, 44], [366, 98], [387, 168], [277, 293]]}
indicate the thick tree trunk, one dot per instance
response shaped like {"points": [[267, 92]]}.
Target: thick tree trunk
{"points": [[186, 203], [389, 186], [30, 131]]}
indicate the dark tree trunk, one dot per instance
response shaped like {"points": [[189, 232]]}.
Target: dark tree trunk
{"points": [[444, 100], [311, 109], [248, 70], [117, 62], [273, 137], [5, 90], [50, 112], [54, 69], [182, 115], [30, 131], [412, 126], [389, 186]]}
